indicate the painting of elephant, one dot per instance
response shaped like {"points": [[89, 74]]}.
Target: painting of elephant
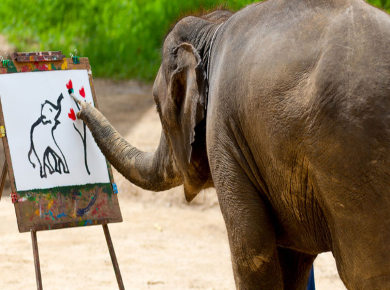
{"points": [[283, 108], [47, 153]]}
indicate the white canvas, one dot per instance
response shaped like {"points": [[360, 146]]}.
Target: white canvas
{"points": [[27, 122]]}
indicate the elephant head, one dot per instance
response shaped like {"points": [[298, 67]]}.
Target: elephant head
{"points": [[51, 112], [180, 94]]}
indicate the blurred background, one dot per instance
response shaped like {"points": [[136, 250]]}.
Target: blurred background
{"points": [[122, 39]]}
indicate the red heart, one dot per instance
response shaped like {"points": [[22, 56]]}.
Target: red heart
{"points": [[69, 85], [72, 115], [82, 92]]}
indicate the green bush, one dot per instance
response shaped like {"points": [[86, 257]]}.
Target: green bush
{"points": [[122, 38]]}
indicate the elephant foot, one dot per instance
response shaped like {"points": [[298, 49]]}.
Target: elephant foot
{"points": [[64, 168], [43, 173]]}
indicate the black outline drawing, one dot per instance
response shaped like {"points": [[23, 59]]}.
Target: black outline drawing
{"points": [[49, 154], [84, 140]]}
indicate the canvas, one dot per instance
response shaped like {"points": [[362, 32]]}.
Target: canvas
{"points": [[49, 147], [59, 177]]}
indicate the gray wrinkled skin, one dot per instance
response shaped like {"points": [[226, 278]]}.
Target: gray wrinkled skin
{"points": [[295, 138]]}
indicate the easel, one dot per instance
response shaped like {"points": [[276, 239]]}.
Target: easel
{"points": [[35, 244], [47, 56]]}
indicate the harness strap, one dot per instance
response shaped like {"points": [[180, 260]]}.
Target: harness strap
{"points": [[211, 46]]}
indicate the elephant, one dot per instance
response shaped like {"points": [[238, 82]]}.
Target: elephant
{"points": [[42, 142], [284, 108]]}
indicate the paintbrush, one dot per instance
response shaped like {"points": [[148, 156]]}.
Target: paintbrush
{"points": [[69, 86]]}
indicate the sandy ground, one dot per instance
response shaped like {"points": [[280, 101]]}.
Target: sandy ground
{"points": [[163, 243]]}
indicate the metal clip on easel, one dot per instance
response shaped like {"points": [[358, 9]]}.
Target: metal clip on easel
{"points": [[4, 61], [75, 57]]}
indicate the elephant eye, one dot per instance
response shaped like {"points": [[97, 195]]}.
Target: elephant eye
{"points": [[51, 110], [158, 109]]}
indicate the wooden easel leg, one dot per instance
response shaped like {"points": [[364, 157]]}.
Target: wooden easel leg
{"points": [[113, 257], [36, 259], [3, 176]]}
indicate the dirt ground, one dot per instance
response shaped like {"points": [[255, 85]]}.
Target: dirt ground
{"points": [[163, 243]]}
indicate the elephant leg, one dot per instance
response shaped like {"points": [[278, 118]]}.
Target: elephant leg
{"points": [[63, 165], [361, 250], [57, 162], [47, 163], [295, 268], [48, 157], [249, 225], [251, 238], [42, 170], [42, 167]]}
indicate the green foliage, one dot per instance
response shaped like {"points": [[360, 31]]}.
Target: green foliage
{"points": [[122, 38], [385, 4]]}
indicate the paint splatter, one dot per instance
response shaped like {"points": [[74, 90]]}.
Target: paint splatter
{"points": [[25, 68], [69, 85], [64, 65], [83, 211], [61, 215], [62, 207], [11, 68], [72, 115], [51, 215], [82, 92]]}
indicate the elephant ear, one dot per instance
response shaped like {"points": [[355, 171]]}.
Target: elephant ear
{"points": [[187, 95]]}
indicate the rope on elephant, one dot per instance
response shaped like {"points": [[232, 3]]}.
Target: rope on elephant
{"points": [[211, 46]]}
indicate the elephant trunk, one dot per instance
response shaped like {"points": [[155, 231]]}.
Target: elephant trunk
{"points": [[152, 171]]}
